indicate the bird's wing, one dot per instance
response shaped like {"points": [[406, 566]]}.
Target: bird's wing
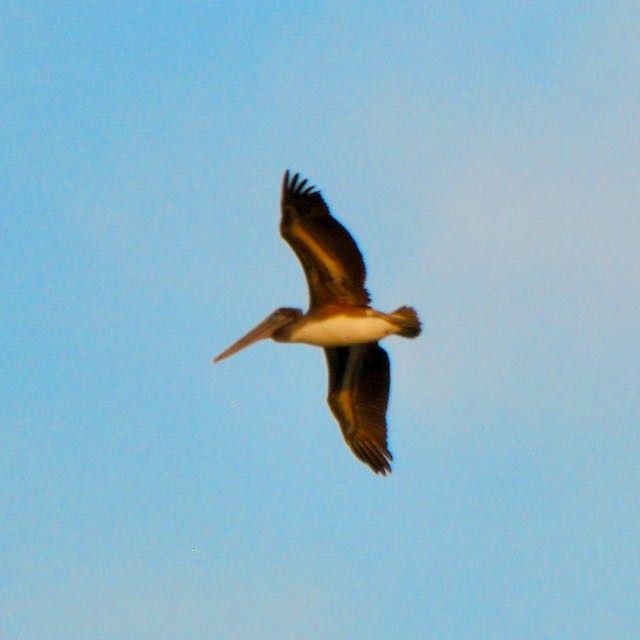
{"points": [[331, 260], [358, 396]]}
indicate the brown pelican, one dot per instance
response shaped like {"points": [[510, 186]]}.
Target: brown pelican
{"points": [[339, 319]]}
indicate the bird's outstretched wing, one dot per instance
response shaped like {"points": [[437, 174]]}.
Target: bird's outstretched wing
{"points": [[358, 397], [331, 260]]}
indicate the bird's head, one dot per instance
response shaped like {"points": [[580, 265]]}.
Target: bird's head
{"points": [[266, 329]]}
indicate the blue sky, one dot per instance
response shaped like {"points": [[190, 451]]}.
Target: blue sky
{"points": [[486, 158]]}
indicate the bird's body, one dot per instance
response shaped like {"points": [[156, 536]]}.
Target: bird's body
{"points": [[339, 319], [339, 327]]}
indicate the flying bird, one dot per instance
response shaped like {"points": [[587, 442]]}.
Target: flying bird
{"points": [[340, 320]]}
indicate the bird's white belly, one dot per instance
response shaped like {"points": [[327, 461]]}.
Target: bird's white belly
{"points": [[343, 330]]}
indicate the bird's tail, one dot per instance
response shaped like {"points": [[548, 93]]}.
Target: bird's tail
{"points": [[407, 320]]}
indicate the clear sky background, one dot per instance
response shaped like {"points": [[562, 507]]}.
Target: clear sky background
{"points": [[486, 157]]}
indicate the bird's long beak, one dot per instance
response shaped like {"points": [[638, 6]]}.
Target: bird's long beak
{"points": [[264, 330]]}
